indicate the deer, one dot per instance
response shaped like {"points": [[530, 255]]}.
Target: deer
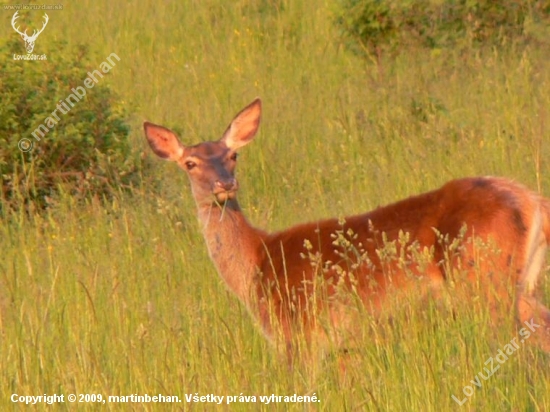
{"points": [[301, 279], [29, 40]]}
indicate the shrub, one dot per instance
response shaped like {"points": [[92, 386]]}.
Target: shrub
{"points": [[86, 153], [373, 26]]}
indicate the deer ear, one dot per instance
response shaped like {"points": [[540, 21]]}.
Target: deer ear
{"points": [[163, 141], [244, 126]]}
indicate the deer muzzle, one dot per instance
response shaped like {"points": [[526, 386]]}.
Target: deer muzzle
{"points": [[226, 189]]}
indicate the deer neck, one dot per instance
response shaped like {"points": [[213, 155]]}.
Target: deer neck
{"points": [[233, 244]]}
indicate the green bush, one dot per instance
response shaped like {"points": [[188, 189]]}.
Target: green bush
{"points": [[86, 153], [374, 26]]}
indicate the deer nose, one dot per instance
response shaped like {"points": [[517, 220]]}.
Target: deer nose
{"points": [[227, 185]]}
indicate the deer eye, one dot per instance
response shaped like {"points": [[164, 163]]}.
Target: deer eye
{"points": [[190, 165], [234, 156]]}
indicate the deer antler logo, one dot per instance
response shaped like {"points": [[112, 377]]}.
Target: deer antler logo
{"points": [[29, 40]]}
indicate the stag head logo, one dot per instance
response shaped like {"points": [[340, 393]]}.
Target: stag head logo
{"points": [[29, 40]]}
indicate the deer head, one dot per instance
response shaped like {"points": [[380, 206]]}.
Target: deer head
{"points": [[209, 165], [29, 40]]}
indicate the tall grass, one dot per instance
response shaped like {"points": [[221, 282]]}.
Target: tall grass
{"points": [[122, 299]]}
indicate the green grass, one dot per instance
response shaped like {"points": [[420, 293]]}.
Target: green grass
{"points": [[122, 299]]}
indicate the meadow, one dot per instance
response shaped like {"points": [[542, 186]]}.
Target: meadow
{"points": [[120, 297]]}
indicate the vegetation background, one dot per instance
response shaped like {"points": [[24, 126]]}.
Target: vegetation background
{"points": [[110, 290]]}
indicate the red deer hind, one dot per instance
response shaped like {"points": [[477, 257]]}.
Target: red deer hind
{"points": [[277, 275]]}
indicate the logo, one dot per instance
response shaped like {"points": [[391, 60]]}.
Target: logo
{"points": [[29, 40]]}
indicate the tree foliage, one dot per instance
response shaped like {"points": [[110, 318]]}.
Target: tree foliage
{"points": [[375, 26], [85, 153]]}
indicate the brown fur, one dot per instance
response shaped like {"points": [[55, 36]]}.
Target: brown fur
{"points": [[286, 279]]}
